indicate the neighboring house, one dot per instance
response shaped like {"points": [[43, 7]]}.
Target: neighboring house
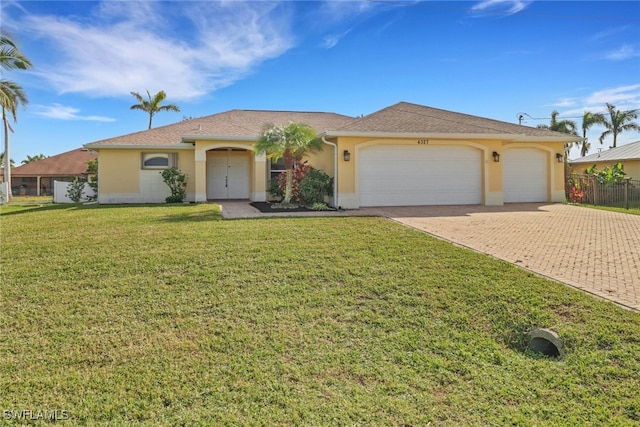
{"points": [[405, 154], [36, 178], [628, 155]]}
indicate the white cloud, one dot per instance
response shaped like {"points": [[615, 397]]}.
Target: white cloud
{"points": [[501, 6], [340, 10], [565, 102], [624, 95], [331, 40], [609, 33], [622, 53], [186, 49], [63, 112]]}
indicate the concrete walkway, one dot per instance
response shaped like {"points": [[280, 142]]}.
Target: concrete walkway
{"points": [[593, 250]]}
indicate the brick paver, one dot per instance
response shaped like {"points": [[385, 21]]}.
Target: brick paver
{"points": [[594, 250]]}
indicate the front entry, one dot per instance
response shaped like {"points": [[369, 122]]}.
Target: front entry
{"points": [[227, 174]]}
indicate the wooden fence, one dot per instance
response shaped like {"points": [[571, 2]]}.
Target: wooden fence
{"points": [[591, 190]]}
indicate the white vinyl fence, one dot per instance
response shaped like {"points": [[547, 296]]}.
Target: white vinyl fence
{"points": [[4, 190], [60, 190]]}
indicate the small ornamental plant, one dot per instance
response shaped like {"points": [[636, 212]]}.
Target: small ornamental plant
{"points": [[75, 190], [576, 195], [177, 182], [308, 186]]}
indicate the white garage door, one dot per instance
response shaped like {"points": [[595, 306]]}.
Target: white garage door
{"points": [[419, 175], [524, 175]]}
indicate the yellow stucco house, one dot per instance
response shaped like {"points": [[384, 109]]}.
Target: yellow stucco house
{"points": [[405, 154], [628, 155]]}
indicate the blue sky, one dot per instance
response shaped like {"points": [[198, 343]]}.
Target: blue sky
{"points": [[490, 58]]}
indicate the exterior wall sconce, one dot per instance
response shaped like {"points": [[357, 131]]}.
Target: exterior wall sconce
{"points": [[346, 155], [496, 156], [559, 157]]}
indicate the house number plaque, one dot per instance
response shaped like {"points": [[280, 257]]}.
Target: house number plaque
{"points": [[423, 141]]}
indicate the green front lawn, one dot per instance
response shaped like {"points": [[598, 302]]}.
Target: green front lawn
{"points": [[169, 315]]}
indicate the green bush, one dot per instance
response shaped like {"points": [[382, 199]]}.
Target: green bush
{"points": [[177, 182], [75, 191], [315, 186]]}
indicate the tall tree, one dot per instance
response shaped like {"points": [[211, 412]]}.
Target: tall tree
{"points": [[152, 105], [12, 162], [563, 126], [589, 119], [35, 158], [618, 122], [289, 143], [11, 94]]}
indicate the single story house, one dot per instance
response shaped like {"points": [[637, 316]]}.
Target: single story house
{"points": [[628, 155], [405, 154], [36, 178]]}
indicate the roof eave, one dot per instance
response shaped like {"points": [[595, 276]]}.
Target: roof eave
{"points": [[440, 135], [192, 138], [180, 146]]}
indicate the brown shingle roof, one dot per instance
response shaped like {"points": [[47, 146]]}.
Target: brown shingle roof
{"points": [[405, 117], [71, 163], [400, 118], [234, 123]]}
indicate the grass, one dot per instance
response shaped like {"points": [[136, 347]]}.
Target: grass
{"points": [[171, 316], [30, 200], [632, 210]]}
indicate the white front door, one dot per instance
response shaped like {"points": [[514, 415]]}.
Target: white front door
{"points": [[227, 174]]}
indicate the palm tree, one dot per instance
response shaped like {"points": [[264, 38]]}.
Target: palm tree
{"points": [[589, 119], [152, 106], [563, 126], [11, 94], [12, 162], [620, 121], [289, 142], [10, 56], [35, 158]]}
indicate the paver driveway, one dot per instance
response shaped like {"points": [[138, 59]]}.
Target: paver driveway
{"points": [[594, 250]]}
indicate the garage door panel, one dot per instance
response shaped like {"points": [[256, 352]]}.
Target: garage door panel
{"points": [[525, 176], [431, 175]]}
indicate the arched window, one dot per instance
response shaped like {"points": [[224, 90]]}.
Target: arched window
{"points": [[159, 160]]}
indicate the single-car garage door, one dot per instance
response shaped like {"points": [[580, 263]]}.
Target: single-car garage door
{"points": [[419, 175], [524, 175]]}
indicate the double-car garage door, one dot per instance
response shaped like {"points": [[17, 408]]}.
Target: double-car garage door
{"points": [[419, 175], [392, 175]]}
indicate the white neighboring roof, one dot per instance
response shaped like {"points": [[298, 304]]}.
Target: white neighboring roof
{"points": [[625, 152]]}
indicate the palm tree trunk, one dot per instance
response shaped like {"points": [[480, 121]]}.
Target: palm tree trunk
{"points": [[150, 119], [288, 188], [7, 158]]}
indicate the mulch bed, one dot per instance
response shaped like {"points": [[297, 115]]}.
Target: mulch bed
{"points": [[265, 207]]}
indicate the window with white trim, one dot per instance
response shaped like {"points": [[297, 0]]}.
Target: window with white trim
{"points": [[159, 160], [276, 168]]}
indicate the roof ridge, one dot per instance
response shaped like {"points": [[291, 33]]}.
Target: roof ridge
{"points": [[456, 113]]}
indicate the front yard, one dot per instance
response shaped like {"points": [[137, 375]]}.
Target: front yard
{"points": [[169, 315]]}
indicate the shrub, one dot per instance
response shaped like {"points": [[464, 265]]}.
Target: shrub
{"points": [[93, 183], [309, 185], [278, 184], [315, 186], [318, 206], [75, 191], [177, 182]]}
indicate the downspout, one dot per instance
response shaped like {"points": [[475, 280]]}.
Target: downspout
{"points": [[335, 171]]}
